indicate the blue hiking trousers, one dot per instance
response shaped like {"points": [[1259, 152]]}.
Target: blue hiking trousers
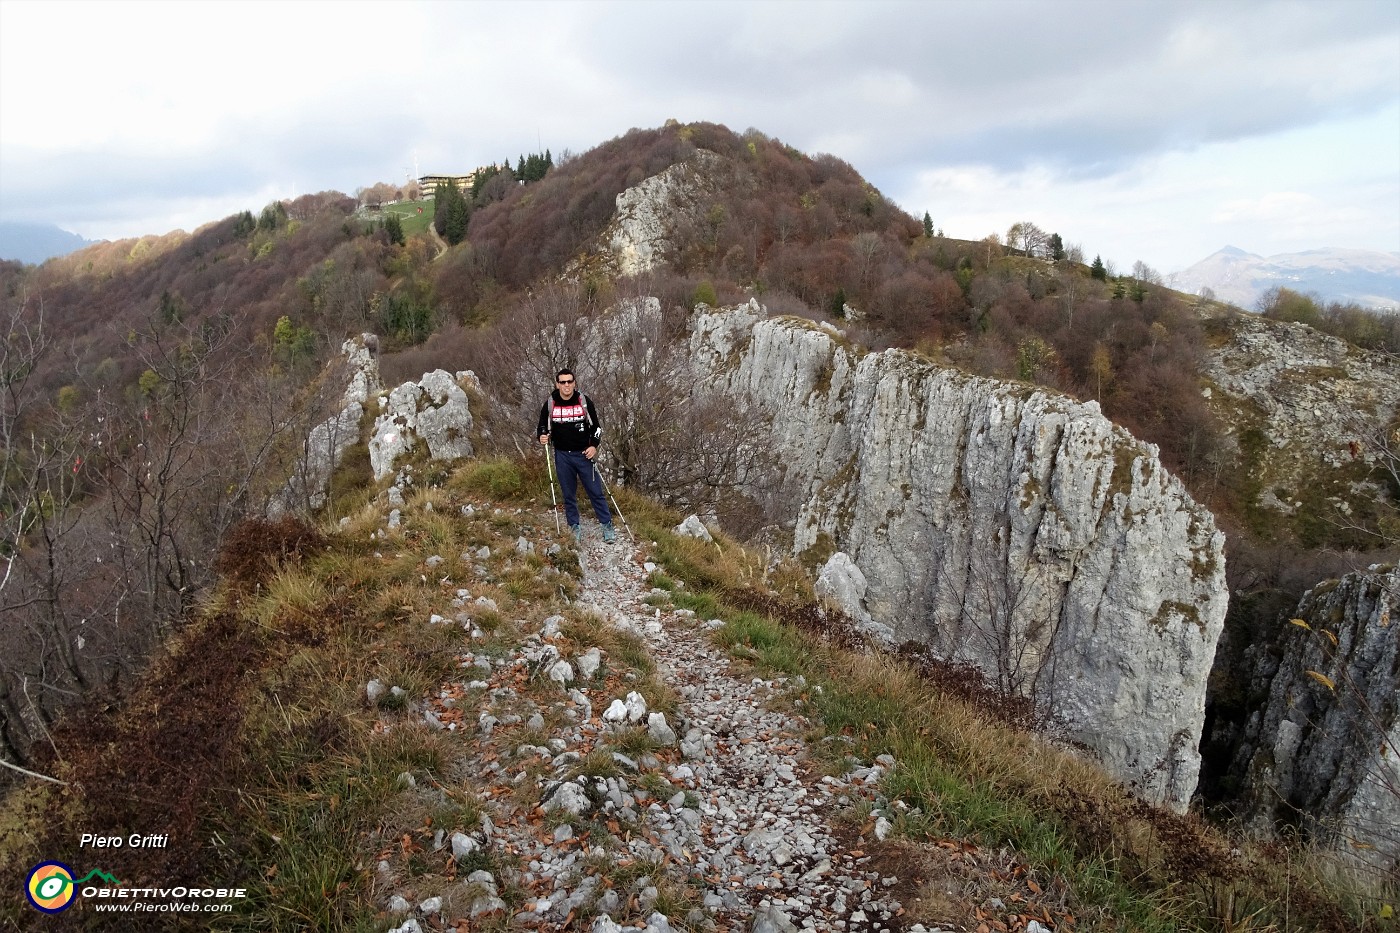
{"points": [[574, 467]]}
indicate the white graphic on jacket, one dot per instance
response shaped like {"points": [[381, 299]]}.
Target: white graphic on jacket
{"points": [[565, 414], [572, 425]]}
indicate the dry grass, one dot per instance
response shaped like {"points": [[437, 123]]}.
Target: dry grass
{"points": [[284, 760], [973, 773]]}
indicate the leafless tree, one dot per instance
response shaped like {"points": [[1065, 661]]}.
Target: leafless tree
{"points": [[41, 459], [1028, 238], [115, 506], [1145, 274], [663, 433], [1005, 618]]}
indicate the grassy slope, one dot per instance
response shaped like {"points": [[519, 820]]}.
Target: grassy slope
{"points": [[413, 222], [253, 745]]}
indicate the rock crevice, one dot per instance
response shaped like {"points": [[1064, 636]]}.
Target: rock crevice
{"points": [[1321, 748]]}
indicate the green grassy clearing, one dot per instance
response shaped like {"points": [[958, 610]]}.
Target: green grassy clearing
{"points": [[413, 222]]}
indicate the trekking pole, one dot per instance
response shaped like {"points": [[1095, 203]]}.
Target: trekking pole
{"points": [[553, 501], [599, 473]]}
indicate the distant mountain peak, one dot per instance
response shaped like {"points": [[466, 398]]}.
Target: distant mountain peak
{"points": [[34, 243], [1369, 278]]}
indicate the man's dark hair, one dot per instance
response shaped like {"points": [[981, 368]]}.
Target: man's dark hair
{"points": [[565, 372]]}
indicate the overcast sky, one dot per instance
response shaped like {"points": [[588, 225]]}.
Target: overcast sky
{"points": [[1153, 130]]}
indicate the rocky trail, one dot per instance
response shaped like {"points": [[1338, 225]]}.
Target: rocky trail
{"points": [[599, 813]]}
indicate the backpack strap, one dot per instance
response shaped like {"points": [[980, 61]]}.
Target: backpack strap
{"points": [[583, 400], [587, 418]]}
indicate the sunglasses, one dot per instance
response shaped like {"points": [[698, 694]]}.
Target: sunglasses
{"points": [[566, 382]]}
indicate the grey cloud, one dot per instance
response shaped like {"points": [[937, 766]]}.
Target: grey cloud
{"points": [[1070, 84], [1085, 88]]}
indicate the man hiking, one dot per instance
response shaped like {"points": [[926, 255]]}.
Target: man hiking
{"points": [[569, 419]]}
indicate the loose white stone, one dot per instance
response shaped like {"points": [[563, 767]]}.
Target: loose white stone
{"points": [[659, 730], [463, 845], [589, 662]]}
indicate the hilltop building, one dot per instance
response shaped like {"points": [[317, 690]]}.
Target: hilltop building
{"points": [[429, 183]]}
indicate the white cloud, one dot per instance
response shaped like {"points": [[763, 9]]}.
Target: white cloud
{"points": [[1134, 125], [1274, 207], [1331, 184]]}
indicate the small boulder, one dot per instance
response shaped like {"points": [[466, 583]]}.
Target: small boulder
{"points": [[659, 730], [636, 707], [589, 662], [692, 527]]}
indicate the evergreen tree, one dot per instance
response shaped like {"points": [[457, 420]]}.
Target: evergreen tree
{"points": [[1057, 247], [1098, 271], [928, 226], [451, 214], [273, 216], [534, 166], [394, 227], [171, 308], [838, 303]]}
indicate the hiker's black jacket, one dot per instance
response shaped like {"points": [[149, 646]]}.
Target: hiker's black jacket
{"points": [[573, 425]]}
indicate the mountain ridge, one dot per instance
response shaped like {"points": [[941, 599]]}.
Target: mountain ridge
{"points": [[34, 243], [154, 323], [1370, 278]]}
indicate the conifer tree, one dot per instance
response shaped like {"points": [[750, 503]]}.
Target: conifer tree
{"points": [[1098, 271], [394, 227], [451, 214], [928, 226]]}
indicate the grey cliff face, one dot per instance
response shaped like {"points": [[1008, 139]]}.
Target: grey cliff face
{"points": [[639, 236], [1013, 529], [1322, 746], [327, 443]]}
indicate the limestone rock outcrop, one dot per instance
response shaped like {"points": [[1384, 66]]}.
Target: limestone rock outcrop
{"points": [[1321, 749], [639, 236], [1005, 526], [843, 583], [326, 444], [1310, 397], [435, 410]]}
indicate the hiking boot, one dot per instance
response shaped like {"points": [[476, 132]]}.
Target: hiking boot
{"points": [[577, 532], [609, 536]]}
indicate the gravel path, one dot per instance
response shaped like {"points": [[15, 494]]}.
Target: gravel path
{"points": [[719, 820]]}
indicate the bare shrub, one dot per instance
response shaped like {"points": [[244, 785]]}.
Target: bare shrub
{"points": [[256, 548]]}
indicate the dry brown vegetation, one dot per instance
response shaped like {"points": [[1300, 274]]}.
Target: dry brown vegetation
{"points": [[805, 234]]}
